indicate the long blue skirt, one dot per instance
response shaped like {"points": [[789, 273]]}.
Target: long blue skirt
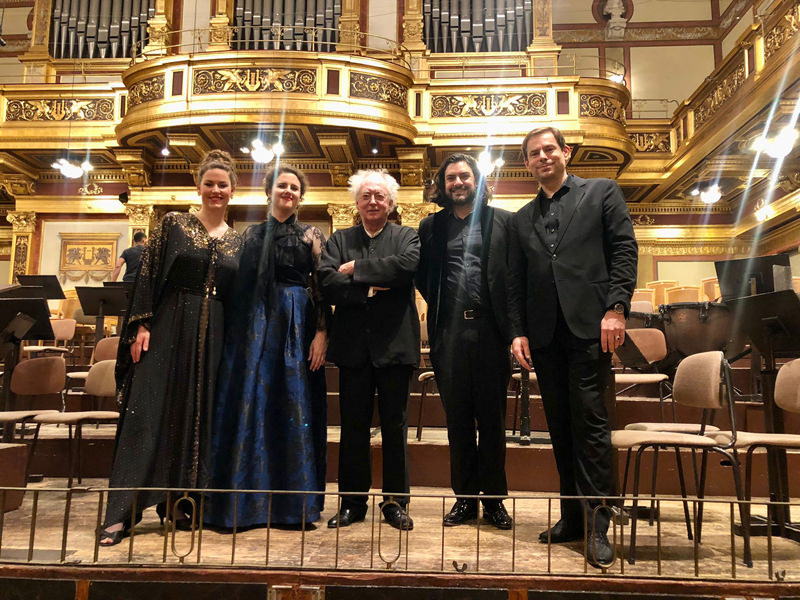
{"points": [[269, 430]]}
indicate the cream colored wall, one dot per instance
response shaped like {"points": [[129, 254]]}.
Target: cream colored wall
{"points": [[723, 5], [681, 69], [729, 41], [584, 62], [5, 271], [10, 71], [196, 16], [685, 272], [381, 21], [572, 11], [51, 244], [647, 11]]}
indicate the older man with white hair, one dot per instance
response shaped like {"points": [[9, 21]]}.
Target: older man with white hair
{"points": [[367, 272]]}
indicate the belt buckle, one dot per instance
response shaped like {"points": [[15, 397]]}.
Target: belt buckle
{"points": [[469, 315]]}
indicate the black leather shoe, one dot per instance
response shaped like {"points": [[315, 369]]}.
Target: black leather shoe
{"points": [[497, 515], [397, 517], [562, 532], [462, 511], [346, 516], [599, 553]]}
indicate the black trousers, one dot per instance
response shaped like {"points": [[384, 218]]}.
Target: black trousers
{"points": [[472, 367], [356, 401], [572, 374]]}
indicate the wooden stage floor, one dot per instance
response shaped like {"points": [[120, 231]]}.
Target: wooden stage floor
{"points": [[662, 550]]}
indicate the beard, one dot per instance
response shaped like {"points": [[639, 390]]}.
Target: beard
{"points": [[468, 199]]}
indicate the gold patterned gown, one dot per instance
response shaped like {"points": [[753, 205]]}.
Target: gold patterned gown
{"points": [[180, 293]]}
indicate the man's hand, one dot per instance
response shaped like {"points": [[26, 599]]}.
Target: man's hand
{"points": [[316, 353], [612, 331], [522, 352], [348, 268], [142, 343]]}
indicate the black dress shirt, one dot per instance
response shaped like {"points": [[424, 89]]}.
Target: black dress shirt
{"points": [[552, 212], [464, 247]]}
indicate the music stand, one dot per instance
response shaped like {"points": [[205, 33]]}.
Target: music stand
{"points": [[22, 291], [736, 277], [102, 301], [772, 321], [50, 283]]}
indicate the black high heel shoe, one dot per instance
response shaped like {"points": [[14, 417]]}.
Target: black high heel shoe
{"points": [[183, 523], [114, 537]]}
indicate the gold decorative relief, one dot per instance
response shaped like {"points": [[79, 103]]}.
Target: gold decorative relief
{"points": [[220, 81], [139, 214], [17, 185], [782, 31], [22, 222], [651, 141], [490, 105], [91, 189], [21, 246], [146, 90], [87, 256], [644, 220], [603, 107], [342, 215], [412, 30], [377, 88], [414, 213], [721, 93], [684, 248], [87, 109]]}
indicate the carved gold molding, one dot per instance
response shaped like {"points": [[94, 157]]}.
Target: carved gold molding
{"points": [[595, 105], [378, 88], [342, 216], [412, 214], [220, 81], [139, 214], [22, 221], [723, 92], [684, 248], [489, 105], [91, 189], [651, 141], [644, 220], [782, 32], [21, 254], [146, 90], [80, 109], [17, 185]]}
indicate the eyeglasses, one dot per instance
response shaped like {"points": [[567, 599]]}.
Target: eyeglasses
{"points": [[379, 197]]}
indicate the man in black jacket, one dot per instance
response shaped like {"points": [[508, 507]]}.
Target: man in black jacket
{"points": [[367, 272], [462, 276], [573, 259]]}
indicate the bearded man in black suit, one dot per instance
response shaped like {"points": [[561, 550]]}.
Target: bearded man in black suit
{"points": [[572, 262]]}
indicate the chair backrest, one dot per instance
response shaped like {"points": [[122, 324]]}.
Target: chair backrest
{"points": [[423, 333], [682, 293], [796, 284], [658, 288], [644, 294], [106, 349], [787, 387], [650, 342], [100, 381], [710, 289], [642, 306], [67, 308], [698, 380], [64, 329], [39, 376]]}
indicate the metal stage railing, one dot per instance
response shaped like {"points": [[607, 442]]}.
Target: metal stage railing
{"points": [[59, 526]]}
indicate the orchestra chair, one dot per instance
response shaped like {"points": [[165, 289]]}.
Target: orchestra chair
{"points": [[37, 377], [701, 381], [100, 384], [105, 349], [787, 397], [427, 379], [516, 385], [710, 289], [682, 293], [642, 350], [425, 348], [642, 306], [64, 331], [659, 287], [796, 284], [644, 295]]}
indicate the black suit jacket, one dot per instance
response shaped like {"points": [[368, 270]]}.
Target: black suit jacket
{"points": [[382, 330], [591, 268], [432, 278]]}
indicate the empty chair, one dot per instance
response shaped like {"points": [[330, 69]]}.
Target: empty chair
{"points": [[682, 293], [39, 377], [426, 378], [64, 331], [516, 385], [106, 349], [641, 351], [710, 289], [659, 287], [642, 306], [644, 295]]}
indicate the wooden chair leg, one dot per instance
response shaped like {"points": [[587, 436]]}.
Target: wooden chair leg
{"points": [[31, 451], [682, 481], [71, 456], [78, 443]]}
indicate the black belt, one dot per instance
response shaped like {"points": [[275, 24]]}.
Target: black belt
{"points": [[473, 313]]}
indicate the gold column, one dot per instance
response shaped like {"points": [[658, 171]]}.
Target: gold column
{"points": [[543, 51], [37, 64], [158, 27], [412, 214], [412, 27], [221, 32], [342, 216], [349, 27], [23, 225], [139, 217]]}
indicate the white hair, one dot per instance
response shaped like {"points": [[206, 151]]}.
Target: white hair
{"points": [[357, 180]]}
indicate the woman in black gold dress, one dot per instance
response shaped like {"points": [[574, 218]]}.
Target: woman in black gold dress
{"points": [[170, 350], [270, 416]]}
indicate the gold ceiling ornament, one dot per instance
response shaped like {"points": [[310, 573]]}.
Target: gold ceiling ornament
{"points": [[85, 109], [378, 88], [489, 105], [139, 215], [221, 81], [146, 90], [782, 32], [92, 189], [651, 141], [644, 220], [603, 107], [723, 92], [17, 185], [22, 221]]}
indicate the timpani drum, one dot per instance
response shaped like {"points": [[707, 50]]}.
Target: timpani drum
{"points": [[692, 327]]}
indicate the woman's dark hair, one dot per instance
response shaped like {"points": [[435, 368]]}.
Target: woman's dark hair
{"points": [[217, 159], [274, 172]]}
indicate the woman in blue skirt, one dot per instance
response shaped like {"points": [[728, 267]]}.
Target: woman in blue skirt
{"points": [[270, 419]]}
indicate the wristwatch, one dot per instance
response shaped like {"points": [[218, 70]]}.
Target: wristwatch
{"points": [[619, 308]]}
